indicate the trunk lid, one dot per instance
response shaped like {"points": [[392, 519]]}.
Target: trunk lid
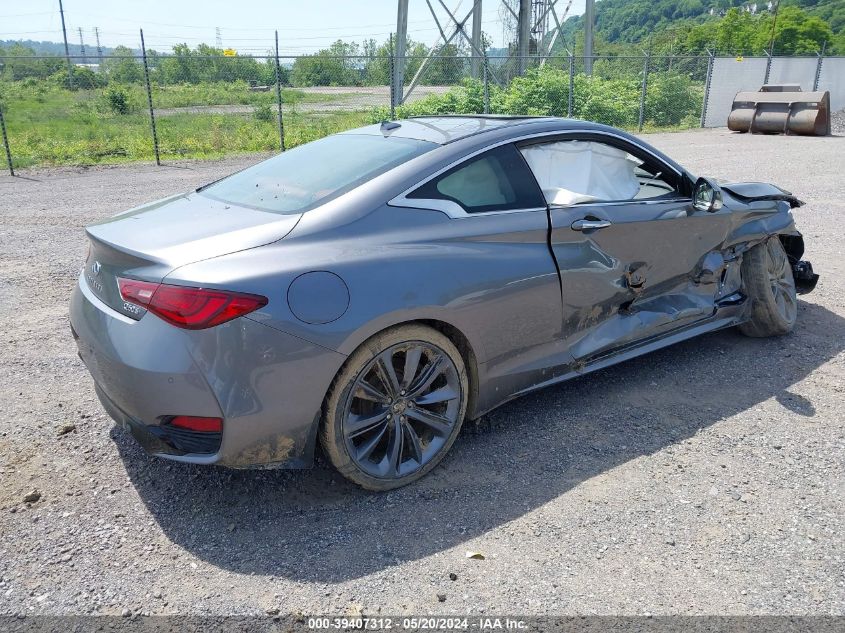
{"points": [[150, 241]]}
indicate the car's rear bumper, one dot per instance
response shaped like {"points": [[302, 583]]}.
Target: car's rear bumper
{"points": [[267, 386]]}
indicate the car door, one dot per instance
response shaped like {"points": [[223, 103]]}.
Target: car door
{"points": [[626, 239], [497, 233]]}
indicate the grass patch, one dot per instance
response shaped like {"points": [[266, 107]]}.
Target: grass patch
{"points": [[49, 125]]}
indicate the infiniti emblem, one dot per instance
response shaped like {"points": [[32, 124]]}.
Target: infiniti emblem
{"points": [[95, 268]]}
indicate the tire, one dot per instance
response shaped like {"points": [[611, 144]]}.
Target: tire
{"points": [[768, 283], [383, 430]]}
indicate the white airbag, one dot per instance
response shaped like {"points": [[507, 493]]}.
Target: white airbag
{"points": [[570, 172]]}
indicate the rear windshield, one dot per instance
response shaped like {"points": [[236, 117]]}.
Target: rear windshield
{"points": [[311, 174]]}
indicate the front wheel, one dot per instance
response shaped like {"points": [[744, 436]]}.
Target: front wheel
{"points": [[395, 409], [768, 282]]}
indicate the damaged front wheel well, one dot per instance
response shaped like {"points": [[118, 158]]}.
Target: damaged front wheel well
{"points": [[794, 247]]}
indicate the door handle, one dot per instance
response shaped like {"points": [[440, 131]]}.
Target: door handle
{"points": [[589, 225]]}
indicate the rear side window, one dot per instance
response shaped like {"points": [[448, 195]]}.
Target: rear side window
{"points": [[312, 174], [497, 180]]}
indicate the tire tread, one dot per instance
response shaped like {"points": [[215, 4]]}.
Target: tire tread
{"points": [[765, 320]]}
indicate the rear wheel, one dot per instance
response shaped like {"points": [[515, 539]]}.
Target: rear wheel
{"points": [[767, 278], [395, 408]]}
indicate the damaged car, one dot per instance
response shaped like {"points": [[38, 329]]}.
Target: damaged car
{"points": [[367, 292]]}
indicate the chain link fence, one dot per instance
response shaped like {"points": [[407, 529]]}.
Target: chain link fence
{"points": [[188, 104]]}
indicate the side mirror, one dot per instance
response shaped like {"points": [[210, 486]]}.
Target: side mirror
{"points": [[706, 195]]}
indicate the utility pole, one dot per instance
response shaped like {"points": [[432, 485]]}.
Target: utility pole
{"points": [[279, 95], [99, 48], [67, 50], [82, 47], [774, 26], [398, 78], [476, 37], [523, 34], [589, 23], [150, 98]]}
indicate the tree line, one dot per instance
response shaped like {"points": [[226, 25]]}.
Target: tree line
{"points": [[624, 28], [729, 27], [341, 64]]}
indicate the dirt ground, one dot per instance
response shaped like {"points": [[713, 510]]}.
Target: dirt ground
{"points": [[708, 478], [337, 99]]}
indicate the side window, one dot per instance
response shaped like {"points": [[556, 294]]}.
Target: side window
{"points": [[496, 180], [573, 172]]}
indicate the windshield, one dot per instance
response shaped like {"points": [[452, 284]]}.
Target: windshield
{"points": [[311, 174]]}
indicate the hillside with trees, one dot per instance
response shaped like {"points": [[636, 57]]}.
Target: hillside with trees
{"points": [[727, 26]]}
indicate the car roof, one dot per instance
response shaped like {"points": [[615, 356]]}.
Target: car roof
{"points": [[478, 129], [446, 129]]}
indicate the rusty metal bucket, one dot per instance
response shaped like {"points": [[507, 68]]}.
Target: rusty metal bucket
{"points": [[777, 111]]}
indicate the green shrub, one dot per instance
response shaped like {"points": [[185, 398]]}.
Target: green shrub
{"points": [[83, 78], [264, 113], [541, 91], [117, 101], [613, 102], [670, 98]]}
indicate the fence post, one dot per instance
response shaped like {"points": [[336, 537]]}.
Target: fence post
{"points": [[6, 143], [711, 57], [643, 93], [279, 96], [150, 98], [571, 83], [486, 85], [391, 70], [819, 67]]}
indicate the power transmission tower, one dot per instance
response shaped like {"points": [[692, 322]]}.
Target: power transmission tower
{"points": [[528, 20], [523, 34], [476, 37], [540, 21], [219, 37], [67, 50], [450, 29], [82, 47], [99, 48], [398, 79], [589, 23]]}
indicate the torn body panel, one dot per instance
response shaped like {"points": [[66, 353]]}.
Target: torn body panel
{"points": [[635, 277], [751, 191], [661, 273]]}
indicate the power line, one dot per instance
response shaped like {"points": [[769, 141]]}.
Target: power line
{"points": [[21, 15], [31, 32], [209, 27]]}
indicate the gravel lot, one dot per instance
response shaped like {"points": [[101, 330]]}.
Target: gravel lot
{"points": [[708, 478], [338, 99]]}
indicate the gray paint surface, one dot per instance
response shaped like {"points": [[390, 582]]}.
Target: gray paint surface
{"points": [[534, 300]]}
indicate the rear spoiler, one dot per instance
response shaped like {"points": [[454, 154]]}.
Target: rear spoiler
{"points": [[750, 191]]}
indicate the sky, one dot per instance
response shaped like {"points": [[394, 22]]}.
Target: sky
{"points": [[304, 26]]}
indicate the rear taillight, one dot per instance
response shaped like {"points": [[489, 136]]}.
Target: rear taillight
{"points": [[189, 308], [194, 423]]}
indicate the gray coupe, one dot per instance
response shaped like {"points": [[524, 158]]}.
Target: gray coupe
{"points": [[369, 291]]}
